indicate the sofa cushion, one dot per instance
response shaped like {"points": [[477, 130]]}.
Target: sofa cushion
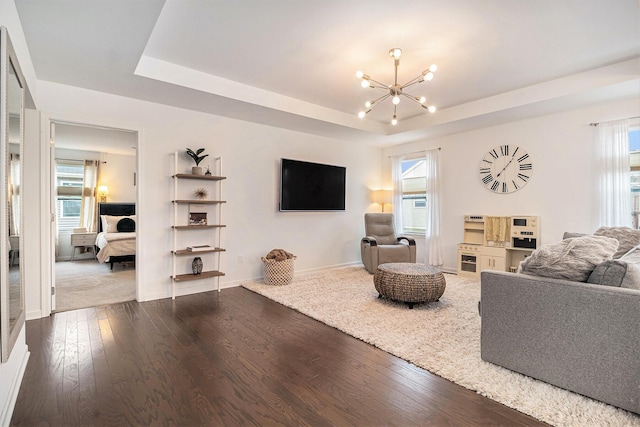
{"points": [[616, 272], [571, 259], [627, 237]]}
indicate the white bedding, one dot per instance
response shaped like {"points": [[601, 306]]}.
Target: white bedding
{"points": [[115, 244]]}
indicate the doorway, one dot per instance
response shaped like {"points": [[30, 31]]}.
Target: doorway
{"points": [[91, 167]]}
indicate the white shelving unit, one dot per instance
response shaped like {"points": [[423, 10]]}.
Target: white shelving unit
{"points": [[209, 234]]}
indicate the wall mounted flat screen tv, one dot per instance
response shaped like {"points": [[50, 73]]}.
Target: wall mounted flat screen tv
{"points": [[306, 186]]}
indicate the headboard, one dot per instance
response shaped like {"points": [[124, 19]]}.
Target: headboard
{"points": [[115, 209]]}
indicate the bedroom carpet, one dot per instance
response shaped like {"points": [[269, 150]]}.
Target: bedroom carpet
{"points": [[88, 283], [441, 337]]}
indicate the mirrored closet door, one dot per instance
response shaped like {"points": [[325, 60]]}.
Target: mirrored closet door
{"points": [[12, 90]]}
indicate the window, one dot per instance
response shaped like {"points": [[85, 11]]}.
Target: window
{"points": [[69, 183], [414, 197]]}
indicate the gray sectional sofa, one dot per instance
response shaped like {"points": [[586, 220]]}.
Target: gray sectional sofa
{"points": [[583, 337]]}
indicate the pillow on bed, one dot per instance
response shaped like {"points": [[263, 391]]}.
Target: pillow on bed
{"points": [[126, 225], [110, 222]]}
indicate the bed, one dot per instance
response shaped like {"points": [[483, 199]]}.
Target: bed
{"points": [[116, 239]]}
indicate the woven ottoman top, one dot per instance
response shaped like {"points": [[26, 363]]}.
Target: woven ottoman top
{"points": [[409, 268]]}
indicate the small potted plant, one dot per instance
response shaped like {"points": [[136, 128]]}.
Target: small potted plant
{"points": [[195, 155]]}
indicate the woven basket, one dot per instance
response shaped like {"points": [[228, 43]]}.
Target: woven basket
{"points": [[278, 272]]}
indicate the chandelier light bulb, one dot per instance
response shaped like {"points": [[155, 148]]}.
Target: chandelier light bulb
{"points": [[396, 53], [394, 121], [428, 76], [368, 104], [432, 108], [365, 83], [396, 100], [359, 74], [361, 114], [433, 68], [422, 100]]}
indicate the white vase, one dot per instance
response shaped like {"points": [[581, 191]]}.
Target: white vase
{"points": [[196, 170]]}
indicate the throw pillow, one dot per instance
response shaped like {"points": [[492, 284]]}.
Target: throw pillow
{"points": [[126, 225], [110, 222], [571, 259], [628, 238], [616, 273]]}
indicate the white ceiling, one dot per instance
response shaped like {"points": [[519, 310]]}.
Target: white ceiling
{"points": [[292, 63]]}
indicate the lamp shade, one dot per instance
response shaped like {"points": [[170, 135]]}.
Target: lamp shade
{"points": [[103, 189], [382, 196]]}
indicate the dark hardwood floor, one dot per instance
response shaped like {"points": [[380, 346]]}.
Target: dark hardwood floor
{"points": [[228, 359]]}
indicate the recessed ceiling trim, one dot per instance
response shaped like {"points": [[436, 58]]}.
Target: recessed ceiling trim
{"points": [[167, 72]]}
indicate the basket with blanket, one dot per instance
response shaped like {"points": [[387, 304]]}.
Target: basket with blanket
{"points": [[278, 267]]}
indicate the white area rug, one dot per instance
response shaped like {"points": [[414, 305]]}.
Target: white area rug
{"points": [[441, 337]]}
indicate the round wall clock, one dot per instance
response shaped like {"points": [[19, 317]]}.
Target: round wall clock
{"points": [[505, 169]]}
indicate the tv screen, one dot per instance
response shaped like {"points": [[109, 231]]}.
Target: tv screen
{"points": [[306, 186]]}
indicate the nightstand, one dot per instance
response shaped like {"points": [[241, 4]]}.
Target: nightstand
{"points": [[82, 240]]}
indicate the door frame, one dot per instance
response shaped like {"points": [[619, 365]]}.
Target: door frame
{"points": [[48, 229]]}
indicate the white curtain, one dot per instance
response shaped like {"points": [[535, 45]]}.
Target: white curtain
{"points": [[433, 247], [89, 206], [396, 174], [14, 194], [615, 177]]}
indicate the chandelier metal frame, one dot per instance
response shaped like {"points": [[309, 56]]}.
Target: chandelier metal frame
{"points": [[395, 91]]}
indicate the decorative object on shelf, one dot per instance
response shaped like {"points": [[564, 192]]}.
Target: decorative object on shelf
{"points": [[505, 169], [103, 191], [208, 172], [197, 218], [278, 267], [195, 155], [395, 90], [196, 265], [200, 193], [199, 248]]}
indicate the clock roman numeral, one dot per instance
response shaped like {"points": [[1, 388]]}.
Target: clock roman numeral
{"points": [[495, 184], [526, 156], [504, 187], [504, 149], [494, 154], [514, 184], [485, 170], [526, 167], [523, 177], [514, 153], [487, 179]]}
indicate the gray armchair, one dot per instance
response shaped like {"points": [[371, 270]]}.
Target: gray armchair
{"points": [[381, 245]]}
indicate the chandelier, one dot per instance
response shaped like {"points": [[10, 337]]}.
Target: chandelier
{"points": [[395, 90]]}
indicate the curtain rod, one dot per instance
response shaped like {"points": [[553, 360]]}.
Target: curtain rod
{"points": [[628, 118], [416, 152], [78, 160]]}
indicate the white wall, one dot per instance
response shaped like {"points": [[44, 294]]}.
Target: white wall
{"points": [[118, 174], [251, 156], [562, 190]]}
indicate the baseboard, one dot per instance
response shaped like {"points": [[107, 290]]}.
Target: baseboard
{"points": [[10, 403], [35, 314], [196, 289]]}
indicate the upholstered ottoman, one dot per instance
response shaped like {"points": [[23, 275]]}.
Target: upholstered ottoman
{"points": [[409, 282]]}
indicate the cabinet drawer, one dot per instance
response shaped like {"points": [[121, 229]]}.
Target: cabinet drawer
{"points": [[83, 239]]}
